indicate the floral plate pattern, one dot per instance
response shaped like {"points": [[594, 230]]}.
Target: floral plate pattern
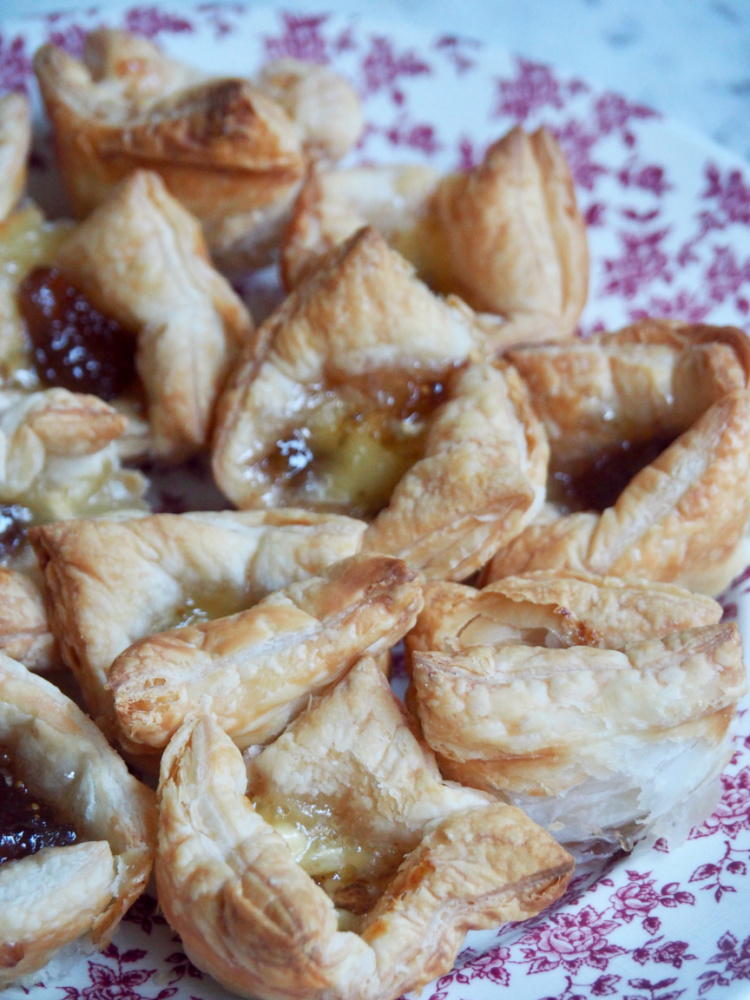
{"points": [[668, 218]]}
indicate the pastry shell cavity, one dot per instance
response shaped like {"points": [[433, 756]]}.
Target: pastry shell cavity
{"points": [[505, 235], [232, 151], [683, 517], [598, 744], [113, 580], [140, 258], [255, 670], [15, 142], [364, 316], [62, 893], [249, 914]]}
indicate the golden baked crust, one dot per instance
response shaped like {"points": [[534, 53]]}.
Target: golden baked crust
{"points": [[61, 893], [479, 482], [323, 105], [334, 203], [593, 704], [556, 609], [225, 148], [15, 141], [255, 670], [113, 580], [24, 632], [339, 396], [671, 397], [506, 235], [141, 259], [249, 912]]}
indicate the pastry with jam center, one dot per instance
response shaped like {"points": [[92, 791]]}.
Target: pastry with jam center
{"points": [[336, 861], [113, 581], [366, 394], [78, 831], [649, 434]]}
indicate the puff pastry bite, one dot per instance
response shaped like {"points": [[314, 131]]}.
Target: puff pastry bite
{"points": [[649, 432], [255, 670], [141, 259], [15, 142], [340, 865], [601, 707], [356, 396], [232, 154], [506, 235], [79, 831], [114, 580]]}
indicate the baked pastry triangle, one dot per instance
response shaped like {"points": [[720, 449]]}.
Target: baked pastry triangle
{"points": [[141, 259], [602, 707], [107, 819], [112, 581], [349, 799], [357, 384], [505, 235], [255, 670], [649, 432], [232, 154]]}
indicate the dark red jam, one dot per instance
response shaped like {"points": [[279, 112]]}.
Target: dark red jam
{"points": [[26, 824], [75, 346], [597, 486], [14, 524]]}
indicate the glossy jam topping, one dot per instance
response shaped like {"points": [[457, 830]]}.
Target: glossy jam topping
{"points": [[75, 346], [26, 824], [14, 524], [355, 442], [598, 485]]}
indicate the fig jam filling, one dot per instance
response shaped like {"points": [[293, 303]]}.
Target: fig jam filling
{"points": [[26, 824], [355, 442], [75, 346], [598, 485]]}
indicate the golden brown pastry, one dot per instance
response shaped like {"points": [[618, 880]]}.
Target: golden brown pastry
{"points": [[322, 104], [96, 822], [337, 405], [141, 259], [15, 141], [506, 235], [114, 580], [556, 609], [600, 706], [228, 151], [25, 634], [256, 669], [649, 432], [346, 798]]}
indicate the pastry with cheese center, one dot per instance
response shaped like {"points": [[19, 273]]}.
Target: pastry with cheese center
{"points": [[340, 864], [114, 580]]}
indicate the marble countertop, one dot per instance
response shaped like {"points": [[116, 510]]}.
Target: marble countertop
{"points": [[690, 61]]}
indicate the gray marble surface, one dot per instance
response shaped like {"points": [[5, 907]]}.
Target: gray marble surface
{"points": [[689, 59]]}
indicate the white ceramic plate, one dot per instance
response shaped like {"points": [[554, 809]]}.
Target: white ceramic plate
{"points": [[669, 228]]}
